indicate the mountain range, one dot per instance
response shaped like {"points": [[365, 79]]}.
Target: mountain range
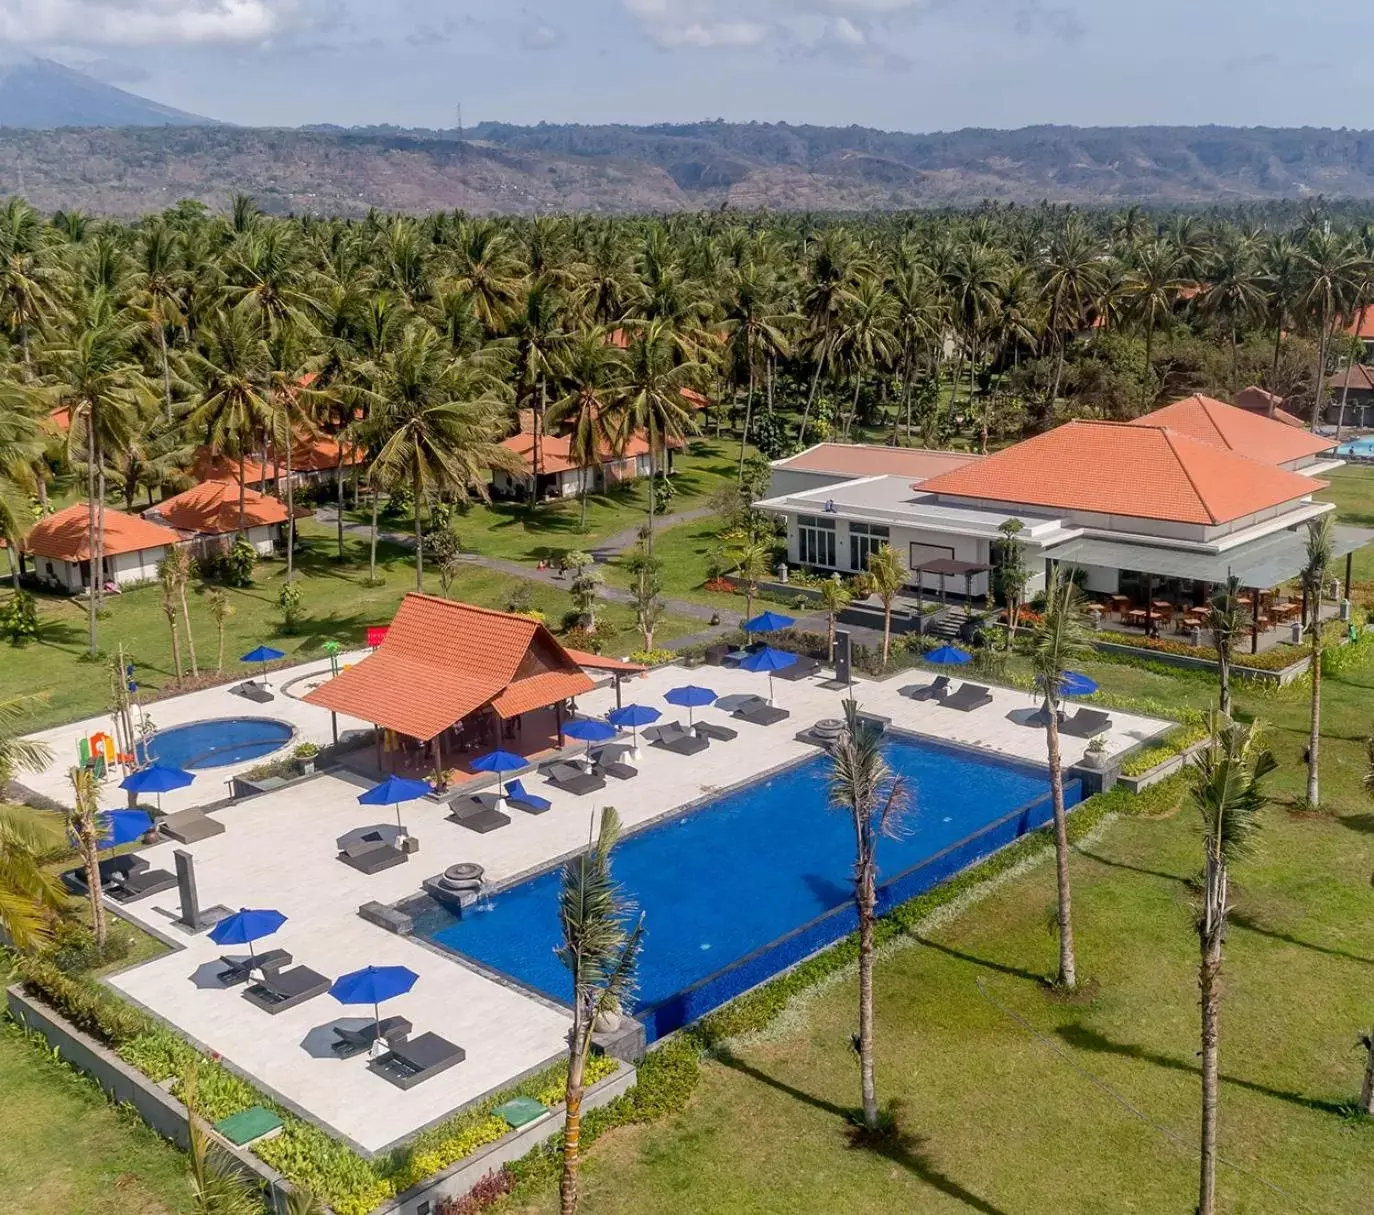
{"points": [[70, 140]]}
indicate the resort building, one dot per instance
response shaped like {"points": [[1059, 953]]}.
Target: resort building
{"points": [[1351, 397], [314, 460], [561, 474], [60, 548], [208, 517], [1151, 512]]}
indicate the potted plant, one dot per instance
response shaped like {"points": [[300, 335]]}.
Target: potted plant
{"points": [[1096, 754], [305, 757]]}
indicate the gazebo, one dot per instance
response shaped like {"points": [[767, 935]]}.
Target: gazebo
{"points": [[948, 567], [452, 679]]}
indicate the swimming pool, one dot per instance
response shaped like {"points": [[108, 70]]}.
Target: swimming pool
{"points": [[746, 885], [1360, 448], [220, 742]]}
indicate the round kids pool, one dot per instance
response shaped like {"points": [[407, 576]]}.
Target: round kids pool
{"points": [[217, 743]]}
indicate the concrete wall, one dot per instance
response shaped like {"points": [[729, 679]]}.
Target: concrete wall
{"points": [[798, 480], [122, 569]]}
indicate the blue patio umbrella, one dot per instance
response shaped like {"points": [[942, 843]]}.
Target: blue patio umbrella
{"points": [[947, 656], [690, 697], [770, 660], [392, 792], [633, 716], [498, 762], [246, 926], [122, 826], [768, 622], [589, 730], [372, 985], [1074, 684], [263, 654], [158, 779]]}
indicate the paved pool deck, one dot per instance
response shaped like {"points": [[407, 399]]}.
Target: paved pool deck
{"points": [[278, 851]]}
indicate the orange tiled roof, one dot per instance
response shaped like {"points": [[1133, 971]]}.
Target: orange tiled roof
{"points": [[598, 662], [1237, 430], [1362, 326], [1360, 377], [212, 509], [555, 451], [871, 460], [442, 660], [1114, 468], [63, 536]]}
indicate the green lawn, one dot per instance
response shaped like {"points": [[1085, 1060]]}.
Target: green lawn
{"points": [[64, 1148], [1352, 489]]}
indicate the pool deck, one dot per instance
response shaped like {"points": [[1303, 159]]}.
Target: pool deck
{"points": [[278, 851]]}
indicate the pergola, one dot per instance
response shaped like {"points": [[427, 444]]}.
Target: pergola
{"points": [[948, 567]]}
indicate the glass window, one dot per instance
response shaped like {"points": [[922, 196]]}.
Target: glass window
{"points": [[864, 539], [816, 541]]}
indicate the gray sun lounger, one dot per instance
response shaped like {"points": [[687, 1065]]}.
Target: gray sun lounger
{"points": [[803, 668], [572, 778], [413, 1062], [278, 992], [610, 763], [761, 713], [478, 813], [240, 970], [255, 692], [1086, 723], [190, 826], [349, 1042], [374, 860], [709, 729], [140, 884], [680, 741], [938, 689], [112, 870], [969, 696]]}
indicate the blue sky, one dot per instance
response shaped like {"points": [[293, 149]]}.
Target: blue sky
{"points": [[917, 65]]}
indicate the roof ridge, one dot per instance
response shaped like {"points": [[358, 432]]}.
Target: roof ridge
{"points": [[1169, 437]]}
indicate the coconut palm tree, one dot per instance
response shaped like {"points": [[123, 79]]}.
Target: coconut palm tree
{"points": [[864, 338], [1156, 275], [835, 596], [599, 949], [1314, 574], [755, 327], [1073, 271], [751, 560], [220, 610], [587, 370], [1226, 619], [177, 567], [1061, 639], [21, 451], [30, 896], [1226, 788], [538, 335], [861, 783], [84, 824], [1234, 291], [834, 270], [1013, 575], [167, 576], [485, 270], [1332, 268], [161, 278], [886, 574]]}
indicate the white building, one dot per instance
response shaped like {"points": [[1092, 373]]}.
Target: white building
{"points": [[207, 516], [59, 547]]}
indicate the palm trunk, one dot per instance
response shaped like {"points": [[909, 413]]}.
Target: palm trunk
{"points": [[1320, 386], [290, 515], [1224, 670], [830, 637], [1068, 969], [262, 481], [372, 545], [748, 414], [190, 637], [1235, 360], [653, 481], [1274, 368], [1209, 974], [90, 531], [243, 497], [769, 384], [866, 900], [166, 368], [92, 858], [219, 652], [1149, 356], [339, 507], [572, 1119], [14, 568], [100, 526], [853, 405], [419, 537], [887, 629], [815, 381], [1314, 736], [171, 612]]}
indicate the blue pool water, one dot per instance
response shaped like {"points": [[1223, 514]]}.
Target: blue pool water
{"points": [[748, 884], [215, 744], [1358, 447]]}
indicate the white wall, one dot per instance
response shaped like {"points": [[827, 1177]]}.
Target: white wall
{"points": [[135, 567], [786, 481]]}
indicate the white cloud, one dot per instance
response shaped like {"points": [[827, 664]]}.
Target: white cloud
{"points": [[843, 32], [695, 23], [143, 22]]}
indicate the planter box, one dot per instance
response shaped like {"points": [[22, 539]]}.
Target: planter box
{"points": [[1161, 770], [1282, 676]]}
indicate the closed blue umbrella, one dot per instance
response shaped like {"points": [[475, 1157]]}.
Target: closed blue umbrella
{"points": [[633, 716], [372, 985], [392, 792], [947, 656], [246, 926], [770, 660], [768, 622], [122, 826], [263, 654], [156, 778], [498, 762], [690, 697]]}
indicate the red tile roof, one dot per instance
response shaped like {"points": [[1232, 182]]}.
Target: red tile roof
{"points": [[597, 662], [1237, 430], [1360, 377], [1362, 326], [555, 451], [1113, 468], [442, 660], [63, 536], [212, 509], [871, 460]]}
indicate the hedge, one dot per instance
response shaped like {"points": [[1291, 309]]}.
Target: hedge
{"points": [[1192, 730]]}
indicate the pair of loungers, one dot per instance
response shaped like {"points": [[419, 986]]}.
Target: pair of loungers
{"points": [[758, 712], [276, 988], [406, 1061], [969, 696], [125, 879], [573, 778]]}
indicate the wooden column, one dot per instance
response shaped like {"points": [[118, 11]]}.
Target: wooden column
{"points": [[439, 761], [1149, 602], [1303, 617], [1349, 569], [1254, 619]]}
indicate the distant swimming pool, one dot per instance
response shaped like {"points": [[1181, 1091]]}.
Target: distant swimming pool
{"points": [[218, 743], [1363, 447], [750, 883]]}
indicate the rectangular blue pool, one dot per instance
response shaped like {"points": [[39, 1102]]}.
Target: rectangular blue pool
{"points": [[746, 885]]}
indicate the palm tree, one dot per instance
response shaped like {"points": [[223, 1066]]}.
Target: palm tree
{"points": [[538, 337], [751, 561], [863, 340], [1234, 294], [21, 451], [1227, 621], [754, 322], [442, 419], [1313, 576], [215, 1188], [1331, 267], [1060, 640], [600, 952], [887, 575], [178, 565], [1281, 278], [1226, 789], [836, 596], [1013, 576], [830, 280], [293, 404], [220, 611], [84, 823], [168, 577], [861, 783], [1152, 285], [587, 369], [160, 291], [486, 271], [1073, 271], [30, 281], [30, 896]]}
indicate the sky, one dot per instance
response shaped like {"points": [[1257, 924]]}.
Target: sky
{"points": [[913, 65]]}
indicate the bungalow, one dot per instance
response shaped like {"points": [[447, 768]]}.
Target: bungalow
{"points": [[208, 516], [1351, 397], [314, 460], [59, 545]]}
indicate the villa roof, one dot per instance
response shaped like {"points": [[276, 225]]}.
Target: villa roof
{"points": [[64, 536], [212, 509], [871, 460], [555, 451], [1254, 399], [1360, 377], [1139, 471], [442, 660], [1363, 325], [320, 453], [1237, 430]]}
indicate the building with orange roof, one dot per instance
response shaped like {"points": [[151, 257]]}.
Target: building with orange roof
{"points": [[451, 681], [60, 549], [1351, 399], [1254, 399], [208, 515], [562, 475], [1238, 430], [313, 459]]}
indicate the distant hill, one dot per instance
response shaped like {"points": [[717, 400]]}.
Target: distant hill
{"points": [[508, 169], [38, 93]]}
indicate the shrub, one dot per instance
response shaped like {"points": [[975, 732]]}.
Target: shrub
{"points": [[652, 658], [306, 750], [490, 1190], [664, 492], [580, 639], [1192, 730], [720, 585], [291, 600], [73, 949], [84, 1004], [19, 619], [237, 565], [1271, 660]]}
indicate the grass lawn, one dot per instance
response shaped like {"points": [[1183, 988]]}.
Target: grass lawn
{"points": [[338, 604], [63, 1147]]}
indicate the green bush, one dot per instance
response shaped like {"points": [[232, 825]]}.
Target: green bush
{"points": [[291, 600], [19, 618], [82, 1002], [652, 658], [1192, 730], [237, 566]]}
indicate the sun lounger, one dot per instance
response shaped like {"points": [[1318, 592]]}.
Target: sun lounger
{"points": [[709, 729], [936, 690], [519, 797], [350, 1042], [761, 713], [277, 992], [803, 668], [573, 779], [478, 813], [969, 696], [190, 826], [141, 883], [256, 692], [374, 860], [413, 1062], [240, 970], [113, 870], [682, 742], [611, 765], [1087, 723]]}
